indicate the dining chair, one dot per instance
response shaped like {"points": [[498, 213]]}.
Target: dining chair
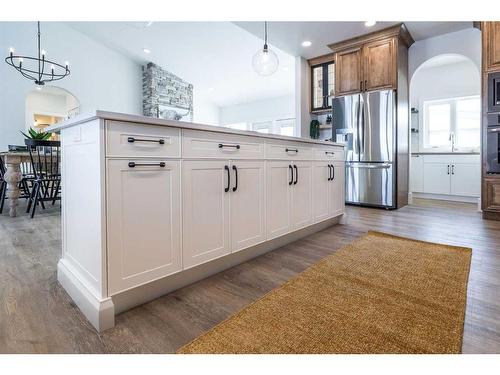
{"points": [[45, 166], [3, 184]]}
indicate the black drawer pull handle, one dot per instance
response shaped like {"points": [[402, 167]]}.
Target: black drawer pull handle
{"points": [[333, 173], [329, 153], [236, 177], [132, 140], [131, 164], [221, 145], [291, 174], [296, 175], [226, 189], [329, 172], [291, 149]]}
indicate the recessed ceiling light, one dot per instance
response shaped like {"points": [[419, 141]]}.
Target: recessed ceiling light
{"points": [[306, 43], [146, 50], [370, 23]]}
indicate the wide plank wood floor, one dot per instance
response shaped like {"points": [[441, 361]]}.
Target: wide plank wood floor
{"points": [[37, 316]]}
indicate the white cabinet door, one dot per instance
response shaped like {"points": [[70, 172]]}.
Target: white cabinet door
{"points": [[278, 198], [321, 190], [417, 174], [205, 212], [466, 179], [437, 178], [143, 222], [301, 195], [337, 195], [247, 202]]}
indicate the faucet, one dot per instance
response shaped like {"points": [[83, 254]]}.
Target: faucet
{"points": [[452, 139]]}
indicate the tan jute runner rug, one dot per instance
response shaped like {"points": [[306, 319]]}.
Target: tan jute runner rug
{"points": [[379, 294]]}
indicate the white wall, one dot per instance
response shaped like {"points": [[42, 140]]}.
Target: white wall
{"points": [[302, 89], [262, 110], [205, 112], [100, 78], [466, 42]]}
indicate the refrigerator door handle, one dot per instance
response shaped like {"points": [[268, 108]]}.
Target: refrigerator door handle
{"points": [[369, 166]]}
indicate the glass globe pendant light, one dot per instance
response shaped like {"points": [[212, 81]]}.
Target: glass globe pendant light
{"points": [[265, 62]]}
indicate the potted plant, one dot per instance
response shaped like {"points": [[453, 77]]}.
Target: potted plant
{"points": [[39, 135]]}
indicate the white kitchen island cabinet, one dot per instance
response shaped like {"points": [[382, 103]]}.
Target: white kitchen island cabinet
{"points": [[151, 205]]}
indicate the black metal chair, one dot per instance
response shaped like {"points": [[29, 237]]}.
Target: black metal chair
{"points": [[3, 184], [45, 166]]}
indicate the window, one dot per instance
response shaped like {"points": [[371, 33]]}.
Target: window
{"points": [[322, 85], [280, 126], [454, 119]]}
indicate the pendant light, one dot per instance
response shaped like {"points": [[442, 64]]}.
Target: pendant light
{"points": [[265, 62]]}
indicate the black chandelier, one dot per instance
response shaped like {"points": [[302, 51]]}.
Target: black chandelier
{"points": [[46, 71]]}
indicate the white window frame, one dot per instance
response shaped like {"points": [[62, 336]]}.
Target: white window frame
{"points": [[453, 123]]}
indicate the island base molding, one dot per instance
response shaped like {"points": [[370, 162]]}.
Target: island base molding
{"points": [[101, 313]]}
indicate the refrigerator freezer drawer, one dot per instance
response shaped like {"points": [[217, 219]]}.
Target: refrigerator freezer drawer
{"points": [[370, 184]]}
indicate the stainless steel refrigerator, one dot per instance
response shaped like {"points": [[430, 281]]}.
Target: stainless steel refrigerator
{"points": [[367, 123]]}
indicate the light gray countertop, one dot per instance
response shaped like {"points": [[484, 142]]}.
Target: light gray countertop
{"points": [[115, 116], [445, 153]]}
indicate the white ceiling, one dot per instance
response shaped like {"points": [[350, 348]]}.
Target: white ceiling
{"points": [[214, 56], [288, 36]]}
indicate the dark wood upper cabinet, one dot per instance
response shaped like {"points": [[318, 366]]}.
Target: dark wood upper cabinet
{"points": [[348, 72], [491, 46], [379, 65], [369, 62]]}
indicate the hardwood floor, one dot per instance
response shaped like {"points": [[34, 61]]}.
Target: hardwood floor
{"points": [[37, 316]]}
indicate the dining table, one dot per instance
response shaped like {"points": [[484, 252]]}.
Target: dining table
{"points": [[13, 175]]}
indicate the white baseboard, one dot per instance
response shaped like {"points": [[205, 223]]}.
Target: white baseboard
{"points": [[99, 312], [444, 197]]}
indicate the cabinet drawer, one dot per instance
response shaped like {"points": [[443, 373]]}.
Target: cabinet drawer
{"points": [[328, 153], [201, 144], [491, 194], [125, 139], [288, 151]]}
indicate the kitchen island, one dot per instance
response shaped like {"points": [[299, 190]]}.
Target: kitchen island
{"points": [[151, 205]]}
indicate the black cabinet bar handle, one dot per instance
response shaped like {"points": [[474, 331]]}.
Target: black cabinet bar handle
{"points": [[131, 164], [132, 140], [329, 153], [333, 172], [221, 145], [296, 175], [236, 177], [291, 149], [361, 85], [226, 168], [453, 169], [329, 172], [366, 84], [291, 175], [448, 169]]}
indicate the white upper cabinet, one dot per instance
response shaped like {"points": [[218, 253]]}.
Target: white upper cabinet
{"points": [[205, 213], [247, 202], [144, 232]]}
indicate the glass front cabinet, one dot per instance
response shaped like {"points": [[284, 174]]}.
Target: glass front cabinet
{"points": [[322, 86]]}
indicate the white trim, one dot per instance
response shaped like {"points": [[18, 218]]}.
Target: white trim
{"points": [[444, 197]]}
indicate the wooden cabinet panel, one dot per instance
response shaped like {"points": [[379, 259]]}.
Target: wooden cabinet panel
{"points": [[466, 179], [491, 194], [337, 190], [247, 202], [301, 195], [491, 45], [144, 234], [379, 65], [278, 195], [437, 178], [205, 212], [321, 187], [348, 74]]}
